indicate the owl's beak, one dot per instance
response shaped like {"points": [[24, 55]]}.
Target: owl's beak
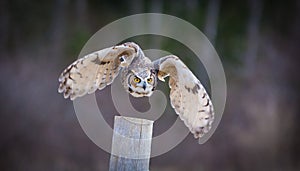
{"points": [[144, 85]]}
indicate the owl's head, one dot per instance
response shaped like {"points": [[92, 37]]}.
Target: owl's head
{"points": [[141, 82]]}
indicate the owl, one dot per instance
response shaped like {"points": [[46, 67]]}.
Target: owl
{"points": [[139, 76]]}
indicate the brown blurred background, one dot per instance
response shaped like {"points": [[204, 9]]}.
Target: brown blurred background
{"points": [[257, 40]]}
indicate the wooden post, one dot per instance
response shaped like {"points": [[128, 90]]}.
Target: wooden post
{"points": [[131, 144]]}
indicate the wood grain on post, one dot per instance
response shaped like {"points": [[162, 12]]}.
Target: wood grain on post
{"points": [[131, 144]]}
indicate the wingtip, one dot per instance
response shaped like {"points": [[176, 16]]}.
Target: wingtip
{"points": [[61, 78], [59, 90]]}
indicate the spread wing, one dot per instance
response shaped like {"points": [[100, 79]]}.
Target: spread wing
{"points": [[95, 71], [188, 97]]}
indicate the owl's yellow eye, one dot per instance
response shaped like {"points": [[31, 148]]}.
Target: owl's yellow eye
{"points": [[137, 80], [149, 80]]}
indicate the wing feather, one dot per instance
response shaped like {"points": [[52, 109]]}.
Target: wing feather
{"points": [[187, 95], [95, 71]]}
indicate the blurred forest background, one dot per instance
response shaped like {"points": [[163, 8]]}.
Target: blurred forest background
{"points": [[257, 40]]}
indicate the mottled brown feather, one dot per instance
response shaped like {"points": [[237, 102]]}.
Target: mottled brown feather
{"points": [[94, 71], [188, 97]]}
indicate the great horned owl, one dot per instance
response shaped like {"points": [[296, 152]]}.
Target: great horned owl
{"points": [[139, 77]]}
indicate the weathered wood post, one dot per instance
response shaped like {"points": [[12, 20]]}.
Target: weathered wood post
{"points": [[131, 144]]}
